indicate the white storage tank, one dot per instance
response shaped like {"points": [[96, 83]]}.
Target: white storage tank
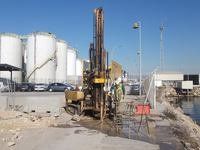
{"points": [[61, 61], [71, 65], [79, 70], [41, 49], [79, 67], [11, 53]]}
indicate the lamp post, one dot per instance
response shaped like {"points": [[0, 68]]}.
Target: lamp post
{"points": [[138, 25]]}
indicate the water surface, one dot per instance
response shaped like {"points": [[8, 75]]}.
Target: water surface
{"points": [[191, 107]]}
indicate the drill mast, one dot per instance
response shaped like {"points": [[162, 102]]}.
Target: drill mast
{"points": [[97, 64]]}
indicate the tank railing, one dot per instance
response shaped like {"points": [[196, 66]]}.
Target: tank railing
{"points": [[43, 64]]}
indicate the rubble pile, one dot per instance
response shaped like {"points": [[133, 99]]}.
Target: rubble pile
{"points": [[184, 127], [196, 91], [165, 94], [13, 122], [170, 91]]}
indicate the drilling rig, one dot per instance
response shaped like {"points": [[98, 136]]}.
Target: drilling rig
{"points": [[96, 77], [97, 54]]}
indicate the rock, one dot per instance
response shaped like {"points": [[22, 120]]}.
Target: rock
{"points": [[56, 115], [10, 144], [55, 124], [4, 139], [18, 129], [18, 115], [20, 137], [188, 145], [13, 131], [76, 118], [32, 118], [16, 136], [62, 110], [179, 109]]}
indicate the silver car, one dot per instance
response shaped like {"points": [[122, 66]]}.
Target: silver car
{"points": [[40, 87]]}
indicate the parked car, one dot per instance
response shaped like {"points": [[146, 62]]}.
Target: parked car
{"points": [[40, 87], [26, 87], [59, 87], [133, 89], [70, 85]]}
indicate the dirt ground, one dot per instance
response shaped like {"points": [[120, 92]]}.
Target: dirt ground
{"points": [[19, 131], [43, 131]]}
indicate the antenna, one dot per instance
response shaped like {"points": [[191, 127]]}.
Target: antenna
{"points": [[161, 48]]}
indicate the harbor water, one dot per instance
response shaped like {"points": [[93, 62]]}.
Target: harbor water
{"points": [[191, 107]]}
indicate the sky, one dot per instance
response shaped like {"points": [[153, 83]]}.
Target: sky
{"points": [[72, 21]]}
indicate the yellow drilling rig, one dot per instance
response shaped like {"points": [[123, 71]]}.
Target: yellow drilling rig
{"points": [[93, 97]]}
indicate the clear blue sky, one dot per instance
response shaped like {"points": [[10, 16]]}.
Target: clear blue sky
{"points": [[71, 20]]}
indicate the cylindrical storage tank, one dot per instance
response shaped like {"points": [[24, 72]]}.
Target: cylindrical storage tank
{"points": [[79, 70], [40, 65], [61, 61], [11, 53], [71, 65]]}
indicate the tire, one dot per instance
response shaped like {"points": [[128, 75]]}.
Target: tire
{"points": [[50, 90]]}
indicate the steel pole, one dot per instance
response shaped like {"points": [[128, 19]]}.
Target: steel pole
{"points": [[140, 56]]}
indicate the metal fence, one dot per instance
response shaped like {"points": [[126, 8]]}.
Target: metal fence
{"points": [[150, 89]]}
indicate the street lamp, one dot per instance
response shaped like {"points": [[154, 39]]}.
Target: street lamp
{"points": [[138, 25]]}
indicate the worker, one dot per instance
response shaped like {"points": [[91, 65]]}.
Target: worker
{"points": [[118, 92], [112, 88], [110, 104], [123, 89], [117, 95]]}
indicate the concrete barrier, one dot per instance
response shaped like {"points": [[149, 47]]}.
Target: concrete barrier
{"points": [[41, 102]]}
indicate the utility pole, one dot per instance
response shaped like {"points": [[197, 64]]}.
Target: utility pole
{"points": [[161, 48]]}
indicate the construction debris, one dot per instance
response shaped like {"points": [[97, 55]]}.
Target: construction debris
{"points": [[14, 121], [10, 144], [76, 118]]}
